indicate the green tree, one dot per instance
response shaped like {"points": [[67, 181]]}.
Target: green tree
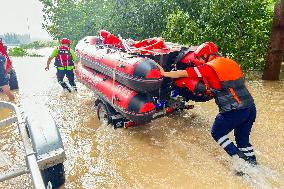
{"points": [[240, 28]]}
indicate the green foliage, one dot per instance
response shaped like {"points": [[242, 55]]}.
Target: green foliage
{"points": [[40, 44], [140, 19], [17, 51], [240, 28], [136, 19], [180, 28]]}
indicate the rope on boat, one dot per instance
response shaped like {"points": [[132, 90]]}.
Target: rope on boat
{"points": [[113, 81]]}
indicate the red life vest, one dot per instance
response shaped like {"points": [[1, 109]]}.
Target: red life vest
{"points": [[197, 86], [191, 84], [64, 58], [8, 60], [190, 59], [110, 39], [151, 43]]}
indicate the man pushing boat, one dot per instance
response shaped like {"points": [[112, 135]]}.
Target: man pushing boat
{"points": [[237, 111]]}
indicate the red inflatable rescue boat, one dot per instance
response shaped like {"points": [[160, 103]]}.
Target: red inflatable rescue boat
{"points": [[138, 73], [128, 84], [137, 107]]}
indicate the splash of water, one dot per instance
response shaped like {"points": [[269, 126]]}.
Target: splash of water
{"points": [[259, 176]]}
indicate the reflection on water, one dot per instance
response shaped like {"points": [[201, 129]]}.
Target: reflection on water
{"points": [[171, 152]]}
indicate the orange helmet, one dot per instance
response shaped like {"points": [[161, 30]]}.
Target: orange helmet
{"points": [[206, 48], [65, 41]]}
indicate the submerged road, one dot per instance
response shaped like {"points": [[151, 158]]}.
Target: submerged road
{"points": [[171, 152]]}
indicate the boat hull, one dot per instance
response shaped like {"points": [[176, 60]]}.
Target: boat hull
{"points": [[134, 106], [138, 73]]}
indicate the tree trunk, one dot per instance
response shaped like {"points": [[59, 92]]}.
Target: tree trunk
{"points": [[276, 44]]}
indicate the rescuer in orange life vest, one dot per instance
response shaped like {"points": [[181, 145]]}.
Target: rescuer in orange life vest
{"points": [[64, 63], [237, 110]]}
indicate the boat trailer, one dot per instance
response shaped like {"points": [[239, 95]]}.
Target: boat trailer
{"points": [[44, 151]]}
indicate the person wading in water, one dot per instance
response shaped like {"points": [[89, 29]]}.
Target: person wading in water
{"points": [[64, 63], [237, 109]]}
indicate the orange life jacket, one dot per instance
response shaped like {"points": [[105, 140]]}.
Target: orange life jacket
{"points": [[233, 93]]}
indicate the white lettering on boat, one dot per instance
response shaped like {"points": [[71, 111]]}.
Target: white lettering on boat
{"points": [[124, 90], [94, 78]]}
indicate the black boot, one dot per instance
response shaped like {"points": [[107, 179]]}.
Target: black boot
{"points": [[250, 159], [65, 86]]}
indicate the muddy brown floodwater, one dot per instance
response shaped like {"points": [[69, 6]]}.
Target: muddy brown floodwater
{"points": [[170, 152]]}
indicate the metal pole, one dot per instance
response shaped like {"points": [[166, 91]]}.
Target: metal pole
{"points": [[35, 172], [30, 158], [8, 121], [13, 174]]}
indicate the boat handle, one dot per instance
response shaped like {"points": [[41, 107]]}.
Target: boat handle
{"points": [[121, 66]]}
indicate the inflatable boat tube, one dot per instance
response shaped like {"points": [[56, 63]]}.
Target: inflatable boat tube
{"points": [[135, 106], [192, 89], [138, 73]]}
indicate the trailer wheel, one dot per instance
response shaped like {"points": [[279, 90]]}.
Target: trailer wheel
{"points": [[54, 177], [103, 113], [13, 81]]}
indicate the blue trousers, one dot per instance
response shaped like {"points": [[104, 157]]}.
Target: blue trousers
{"points": [[70, 76], [241, 122]]}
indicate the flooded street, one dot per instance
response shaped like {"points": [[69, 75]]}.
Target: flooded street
{"points": [[171, 152]]}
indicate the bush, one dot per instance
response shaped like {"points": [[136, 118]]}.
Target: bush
{"points": [[40, 44], [17, 51]]}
